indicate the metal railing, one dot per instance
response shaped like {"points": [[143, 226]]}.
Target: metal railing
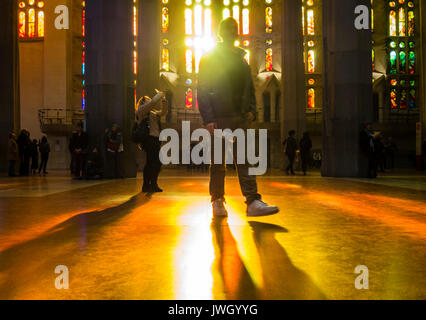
{"points": [[59, 117]]}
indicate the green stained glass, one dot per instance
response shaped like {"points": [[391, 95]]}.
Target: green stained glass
{"points": [[392, 62], [402, 62], [412, 62], [411, 44], [402, 45], [412, 83], [393, 44]]}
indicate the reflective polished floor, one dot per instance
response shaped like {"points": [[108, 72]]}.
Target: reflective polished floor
{"points": [[120, 244]]}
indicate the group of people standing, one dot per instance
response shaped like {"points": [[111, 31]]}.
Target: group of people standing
{"points": [[87, 162], [291, 148], [31, 155]]}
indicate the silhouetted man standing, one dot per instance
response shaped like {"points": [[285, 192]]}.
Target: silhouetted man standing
{"points": [[227, 101]]}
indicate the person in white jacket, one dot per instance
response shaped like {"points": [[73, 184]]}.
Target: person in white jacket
{"points": [[154, 109]]}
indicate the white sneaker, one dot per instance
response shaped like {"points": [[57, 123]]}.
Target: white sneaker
{"points": [[260, 209], [219, 209]]}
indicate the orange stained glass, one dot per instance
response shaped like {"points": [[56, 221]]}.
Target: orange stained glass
{"points": [[188, 60], [269, 57], [21, 24], [311, 22], [311, 61], [402, 27], [303, 20], [268, 20], [165, 19], [40, 24], [311, 98], [31, 23], [135, 21], [393, 98], [392, 23], [246, 21], [188, 21], [165, 60]]}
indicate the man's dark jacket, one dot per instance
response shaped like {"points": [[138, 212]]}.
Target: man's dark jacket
{"points": [[225, 85]]}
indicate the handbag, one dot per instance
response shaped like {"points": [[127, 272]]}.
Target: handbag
{"points": [[140, 132]]}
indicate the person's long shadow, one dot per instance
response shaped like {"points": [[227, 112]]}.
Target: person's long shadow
{"points": [[234, 277], [282, 280], [88, 223]]}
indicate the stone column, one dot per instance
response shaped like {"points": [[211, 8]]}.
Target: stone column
{"points": [[347, 89], [148, 46], [293, 72], [9, 81], [273, 104], [109, 75]]}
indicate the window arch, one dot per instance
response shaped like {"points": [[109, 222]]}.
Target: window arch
{"points": [[31, 19]]}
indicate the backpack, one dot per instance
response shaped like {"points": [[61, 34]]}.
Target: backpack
{"points": [[140, 132]]}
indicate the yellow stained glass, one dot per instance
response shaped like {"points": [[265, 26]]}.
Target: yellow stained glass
{"points": [[165, 19], [411, 23], [31, 23], [247, 56], [303, 20], [40, 24], [165, 60], [268, 21], [21, 24], [402, 22], [311, 22], [392, 23]]}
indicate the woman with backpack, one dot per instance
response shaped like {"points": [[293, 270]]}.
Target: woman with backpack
{"points": [[149, 116]]}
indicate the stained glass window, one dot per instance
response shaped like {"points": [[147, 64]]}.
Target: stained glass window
{"points": [[402, 54], [392, 23], [188, 98], [83, 67], [165, 20], [311, 98], [411, 25], [401, 18], [269, 57], [311, 61], [188, 61], [311, 22], [268, 20], [21, 24], [188, 21], [31, 19], [165, 63], [246, 21]]}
